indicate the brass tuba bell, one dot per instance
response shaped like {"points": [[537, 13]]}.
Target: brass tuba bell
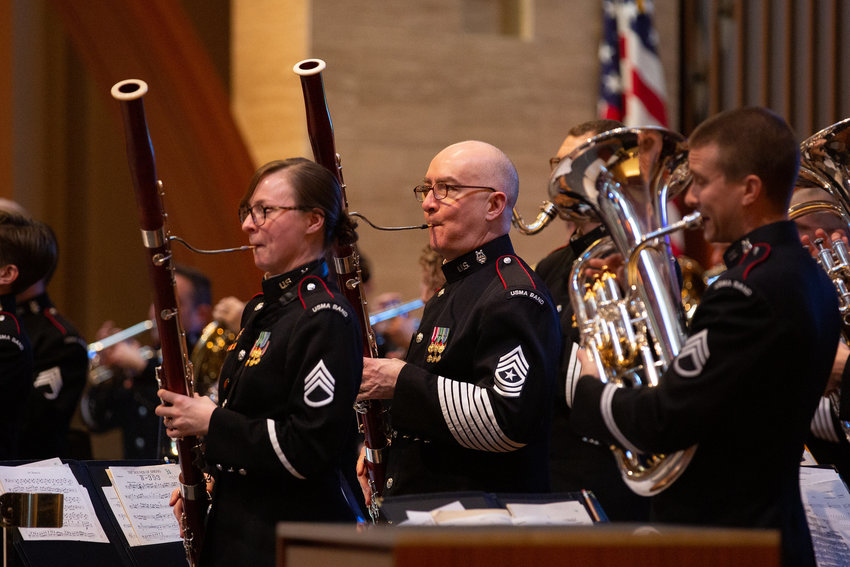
{"points": [[825, 178], [624, 178], [208, 358]]}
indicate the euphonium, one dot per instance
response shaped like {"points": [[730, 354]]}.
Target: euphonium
{"points": [[624, 179], [825, 165]]}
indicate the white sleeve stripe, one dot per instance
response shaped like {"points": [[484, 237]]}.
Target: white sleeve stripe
{"points": [[605, 406], [481, 418], [448, 400], [279, 452], [460, 405], [822, 427], [504, 440], [469, 416], [573, 374]]}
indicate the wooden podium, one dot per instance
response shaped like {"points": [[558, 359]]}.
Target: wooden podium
{"points": [[304, 544]]}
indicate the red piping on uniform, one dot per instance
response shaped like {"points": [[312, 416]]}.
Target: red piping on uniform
{"points": [[304, 305], [759, 260], [55, 322], [15, 319], [499, 271]]}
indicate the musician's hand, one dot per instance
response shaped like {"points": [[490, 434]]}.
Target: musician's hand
{"points": [[838, 364], [184, 416], [176, 503], [613, 263], [827, 241], [379, 378], [588, 365], [228, 312], [126, 355], [362, 478]]}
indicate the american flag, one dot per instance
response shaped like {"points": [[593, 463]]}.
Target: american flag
{"points": [[631, 87]]}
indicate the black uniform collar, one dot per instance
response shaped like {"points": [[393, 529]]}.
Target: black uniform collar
{"points": [[275, 286], [776, 233], [35, 305], [7, 303], [478, 258]]}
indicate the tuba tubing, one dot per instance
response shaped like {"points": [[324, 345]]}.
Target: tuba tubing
{"points": [[825, 164], [624, 178], [548, 212]]}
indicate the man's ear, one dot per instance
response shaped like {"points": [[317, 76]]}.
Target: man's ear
{"points": [[496, 205], [8, 274], [753, 189]]}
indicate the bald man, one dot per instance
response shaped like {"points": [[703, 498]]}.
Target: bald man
{"points": [[471, 402]]}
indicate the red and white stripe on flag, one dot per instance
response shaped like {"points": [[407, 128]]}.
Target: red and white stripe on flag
{"points": [[631, 76]]}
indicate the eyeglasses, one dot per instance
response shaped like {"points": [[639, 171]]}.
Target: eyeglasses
{"points": [[259, 212], [553, 162], [441, 190]]}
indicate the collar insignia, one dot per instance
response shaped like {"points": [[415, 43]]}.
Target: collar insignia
{"points": [[480, 257], [438, 344], [259, 349]]}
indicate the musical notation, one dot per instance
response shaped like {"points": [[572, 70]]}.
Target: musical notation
{"points": [[79, 521], [142, 501]]}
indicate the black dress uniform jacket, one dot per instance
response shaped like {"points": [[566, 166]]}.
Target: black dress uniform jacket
{"points": [[576, 462], [61, 365], [472, 409], [744, 389], [283, 434], [15, 376]]}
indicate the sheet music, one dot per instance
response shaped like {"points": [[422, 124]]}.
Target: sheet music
{"points": [[80, 522], [418, 518], [144, 493], [120, 515], [827, 505], [553, 513]]}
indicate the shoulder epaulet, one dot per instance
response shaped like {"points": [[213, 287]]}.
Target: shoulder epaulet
{"points": [[517, 280], [11, 317], [756, 255], [315, 297], [512, 273]]}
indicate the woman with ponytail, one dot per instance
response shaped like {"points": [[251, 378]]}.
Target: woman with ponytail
{"points": [[281, 439]]}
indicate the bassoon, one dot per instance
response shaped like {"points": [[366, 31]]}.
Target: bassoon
{"points": [[175, 373], [370, 413]]}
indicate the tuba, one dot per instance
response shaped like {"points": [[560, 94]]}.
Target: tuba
{"points": [[825, 166], [624, 179]]}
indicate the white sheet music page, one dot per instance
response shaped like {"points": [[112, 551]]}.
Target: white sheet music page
{"points": [[120, 515], [79, 520], [827, 505], [144, 493], [569, 513]]}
